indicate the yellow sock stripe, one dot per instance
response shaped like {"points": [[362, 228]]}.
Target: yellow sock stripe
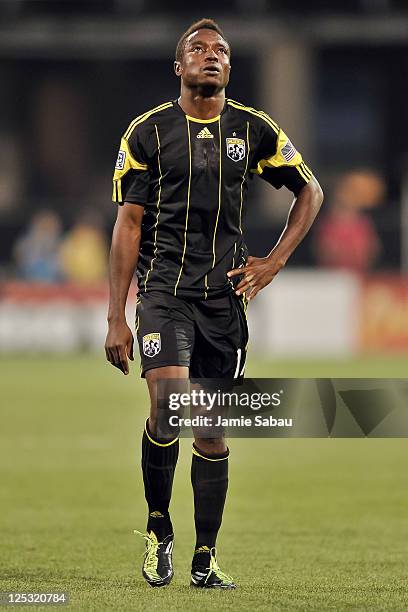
{"points": [[144, 116], [219, 192], [259, 114], [157, 207], [243, 178], [158, 443], [195, 452], [188, 207], [302, 174]]}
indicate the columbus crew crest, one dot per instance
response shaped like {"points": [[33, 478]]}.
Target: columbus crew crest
{"points": [[151, 344], [235, 149]]}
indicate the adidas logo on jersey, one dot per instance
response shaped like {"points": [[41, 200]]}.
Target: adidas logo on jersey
{"points": [[205, 133]]}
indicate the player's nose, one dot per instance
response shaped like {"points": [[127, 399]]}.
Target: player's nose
{"points": [[211, 55]]}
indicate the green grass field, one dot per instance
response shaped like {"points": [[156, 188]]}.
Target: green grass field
{"points": [[310, 524]]}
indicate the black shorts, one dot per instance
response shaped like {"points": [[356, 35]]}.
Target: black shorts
{"points": [[208, 336]]}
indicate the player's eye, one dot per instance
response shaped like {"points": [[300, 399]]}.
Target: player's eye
{"points": [[223, 50], [197, 47]]}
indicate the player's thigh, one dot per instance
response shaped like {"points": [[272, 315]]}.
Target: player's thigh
{"points": [[165, 331], [221, 339]]}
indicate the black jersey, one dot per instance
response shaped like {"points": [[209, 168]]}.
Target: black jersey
{"points": [[191, 176]]}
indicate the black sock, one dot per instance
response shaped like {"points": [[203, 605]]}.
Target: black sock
{"points": [[159, 458], [209, 477]]}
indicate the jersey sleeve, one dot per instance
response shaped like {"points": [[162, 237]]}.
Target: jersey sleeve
{"points": [[131, 177], [277, 161]]}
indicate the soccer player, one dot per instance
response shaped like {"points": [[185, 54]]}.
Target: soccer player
{"points": [[181, 183]]}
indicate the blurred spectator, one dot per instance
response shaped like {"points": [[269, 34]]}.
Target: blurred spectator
{"points": [[346, 237], [36, 253], [11, 172], [84, 251], [60, 131]]}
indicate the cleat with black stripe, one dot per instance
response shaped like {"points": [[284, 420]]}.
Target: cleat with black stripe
{"points": [[205, 572], [157, 568]]}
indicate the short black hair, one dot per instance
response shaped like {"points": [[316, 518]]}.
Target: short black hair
{"points": [[202, 24]]}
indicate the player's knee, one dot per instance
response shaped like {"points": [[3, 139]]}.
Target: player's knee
{"points": [[211, 446], [153, 423]]}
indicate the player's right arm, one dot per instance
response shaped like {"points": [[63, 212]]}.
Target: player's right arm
{"points": [[122, 263], [130, 189]]}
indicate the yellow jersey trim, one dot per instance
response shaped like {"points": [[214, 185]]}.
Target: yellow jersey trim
{"points": [[306, 170], [157, 206], [128, 163], [219, 194], [256, 113], [188, 206], [213, 120], [302, 174], [277, 160], [142, 118], [242, 182]]}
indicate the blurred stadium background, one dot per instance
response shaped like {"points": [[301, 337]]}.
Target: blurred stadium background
{"points": [[73, 74], [333, 75]]}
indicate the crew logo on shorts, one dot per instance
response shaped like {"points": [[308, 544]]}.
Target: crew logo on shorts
{"points": [[151, 344]]}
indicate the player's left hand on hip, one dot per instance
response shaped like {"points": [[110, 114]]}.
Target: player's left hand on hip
{"points": [[257, 273]]}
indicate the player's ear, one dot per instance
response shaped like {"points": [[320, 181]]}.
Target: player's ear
{"points": [[177, 68]]}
